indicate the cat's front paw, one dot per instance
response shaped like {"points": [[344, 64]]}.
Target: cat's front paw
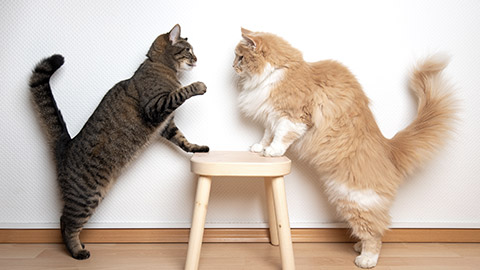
{"points": [[274, 151], [256, 148], [200, 149], [199, 88]]}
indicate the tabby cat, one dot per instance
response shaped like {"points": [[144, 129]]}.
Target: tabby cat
{"points": [[321, 111], [132, 113]]}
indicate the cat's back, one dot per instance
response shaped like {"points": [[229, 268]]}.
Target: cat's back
{"points": [[332, 73], [116, 130], [336, 81], [119, 107]]}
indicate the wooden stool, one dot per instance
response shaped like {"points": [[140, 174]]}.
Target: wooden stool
{"points": [[207, 165]]}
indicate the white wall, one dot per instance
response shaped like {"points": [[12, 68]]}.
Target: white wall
{"points": [[104, 43]]}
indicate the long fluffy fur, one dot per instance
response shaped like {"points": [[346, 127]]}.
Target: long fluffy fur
{"points": [[415, 144], [340, 138]]}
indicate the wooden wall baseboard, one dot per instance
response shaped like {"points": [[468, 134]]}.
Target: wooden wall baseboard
{"points": [[234, 235]]}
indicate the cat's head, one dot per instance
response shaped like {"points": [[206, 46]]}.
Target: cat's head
{"points": [[257, 50], [173, 50]]}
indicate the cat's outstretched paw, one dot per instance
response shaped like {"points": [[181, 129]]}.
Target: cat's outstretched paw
{"points": [[199, 88], [366, 260], [199, 148], [256, 148]]}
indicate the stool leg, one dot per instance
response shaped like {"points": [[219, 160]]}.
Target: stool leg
{"points": [[272, 219], [198, 222], [283, 224]]}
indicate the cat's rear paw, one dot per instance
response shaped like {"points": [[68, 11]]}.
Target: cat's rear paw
{"points": [[81, 255], [366, 260]]}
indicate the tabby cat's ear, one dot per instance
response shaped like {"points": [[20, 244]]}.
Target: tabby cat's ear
{"points": [[174, 34], [247, 35]]}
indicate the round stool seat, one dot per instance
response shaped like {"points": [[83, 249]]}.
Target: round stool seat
{"points": [[231, 163]]}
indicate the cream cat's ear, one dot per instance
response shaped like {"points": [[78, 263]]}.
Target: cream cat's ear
{"points": [[246, 31], [248, 36], [174, 34]]}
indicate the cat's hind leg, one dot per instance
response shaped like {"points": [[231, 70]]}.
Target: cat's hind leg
{"points": [[370, 251], [367, 214], [71, 228], [78, 209], [368, 226]]}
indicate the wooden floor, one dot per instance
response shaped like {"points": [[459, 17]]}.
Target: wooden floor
{"points": [[233, 256]]}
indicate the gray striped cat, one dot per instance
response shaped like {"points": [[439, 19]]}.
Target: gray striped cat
{"points": [[131, 113]]}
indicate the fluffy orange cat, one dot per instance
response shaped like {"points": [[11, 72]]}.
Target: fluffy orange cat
{"points": [[321, 111]]}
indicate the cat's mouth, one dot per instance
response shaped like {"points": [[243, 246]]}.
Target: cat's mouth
{"points": [[187, 66]]}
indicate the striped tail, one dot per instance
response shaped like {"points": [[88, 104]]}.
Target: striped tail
{"points": [[436, 113], [45, 103]]}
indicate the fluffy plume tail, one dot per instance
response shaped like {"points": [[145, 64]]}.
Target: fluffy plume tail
{"points": [[436, 114], [45, 103]]}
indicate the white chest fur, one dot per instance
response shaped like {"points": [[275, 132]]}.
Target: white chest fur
{"points": [[253, 100]]}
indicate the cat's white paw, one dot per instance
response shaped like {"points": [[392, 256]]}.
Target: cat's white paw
{"points": [[272, 151], [366, 260], [256, 148]]}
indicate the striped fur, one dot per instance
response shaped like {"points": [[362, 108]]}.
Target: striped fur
{"points": [[321, 111], [130, 114]]}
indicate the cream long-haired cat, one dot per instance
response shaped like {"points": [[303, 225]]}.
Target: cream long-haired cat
{"points": [[321, 111]]}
